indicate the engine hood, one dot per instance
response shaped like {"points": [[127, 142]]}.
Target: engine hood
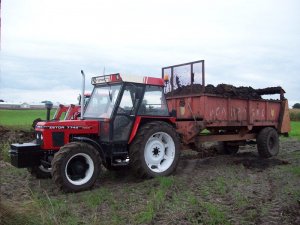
{"points": [[68, 125], [53, 134]]}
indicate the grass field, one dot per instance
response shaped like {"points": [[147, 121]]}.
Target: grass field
{"points": [[21, 119], [295, 132]]}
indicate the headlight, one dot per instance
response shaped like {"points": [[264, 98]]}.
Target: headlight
{"points": [[42, 137]]}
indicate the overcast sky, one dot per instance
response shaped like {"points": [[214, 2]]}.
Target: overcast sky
{"points": [[45, 44]]}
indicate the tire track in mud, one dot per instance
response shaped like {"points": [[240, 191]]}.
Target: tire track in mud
{"points": [[264, 206], [274, 206]]}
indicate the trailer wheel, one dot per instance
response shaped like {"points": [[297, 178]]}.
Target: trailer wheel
{"points": [[268, 142], [155, 150], [228, 148], [75, 167], [40, 172]]}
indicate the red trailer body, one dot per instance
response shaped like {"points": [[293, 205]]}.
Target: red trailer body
{"points": [[227, 118], [196, 113]]}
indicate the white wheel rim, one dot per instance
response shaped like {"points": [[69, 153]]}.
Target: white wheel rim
{"points": [[88, 173], [159, 152]]}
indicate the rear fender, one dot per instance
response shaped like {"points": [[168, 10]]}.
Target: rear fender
{"points": [[139, 120]]}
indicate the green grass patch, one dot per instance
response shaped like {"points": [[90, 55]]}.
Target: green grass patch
{"points": [[53, 210], [4, 154], [214, 215], [157, 197], [15, 213], [21, 119], [295, 132], [295, 170], [97, 197]]}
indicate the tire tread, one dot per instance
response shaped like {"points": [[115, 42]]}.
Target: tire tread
{"points": [[135, 151]]}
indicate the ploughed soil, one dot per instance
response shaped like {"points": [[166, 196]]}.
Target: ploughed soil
{"points": [[226, 90], [205, 189]]}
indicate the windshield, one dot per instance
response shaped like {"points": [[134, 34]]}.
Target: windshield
{"points": [[102, 101]]}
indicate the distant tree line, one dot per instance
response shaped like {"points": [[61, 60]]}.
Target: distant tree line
{"points": [[295, 112], [296, 106]]}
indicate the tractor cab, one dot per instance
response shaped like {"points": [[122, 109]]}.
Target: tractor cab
{"points": [[118, 101]]}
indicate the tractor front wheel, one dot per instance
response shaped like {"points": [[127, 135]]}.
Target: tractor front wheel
{"points": [[75, 167], [155, 150]]}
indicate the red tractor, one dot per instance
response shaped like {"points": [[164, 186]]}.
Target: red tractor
{"points": [[132, 121], [123, 117]]}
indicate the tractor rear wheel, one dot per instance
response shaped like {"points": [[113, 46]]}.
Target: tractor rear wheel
{"points": [[75, 167], [267, 142], [155, 150]]}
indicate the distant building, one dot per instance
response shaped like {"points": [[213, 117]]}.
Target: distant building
{"points": [[25, 106], [7, 105]]}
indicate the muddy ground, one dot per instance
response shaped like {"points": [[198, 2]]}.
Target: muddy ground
{"points": [[220, 189]]}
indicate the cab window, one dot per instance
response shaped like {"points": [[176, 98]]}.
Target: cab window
{"points": [[154, 102]]}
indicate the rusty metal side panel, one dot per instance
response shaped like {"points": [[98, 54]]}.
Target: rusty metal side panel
{"points": [[187, 107], [216, 109], [284, 120], [195, 113], [219, 111], [273, 111], [241, 112], [188, 130], [257, 110], [237, 109]]}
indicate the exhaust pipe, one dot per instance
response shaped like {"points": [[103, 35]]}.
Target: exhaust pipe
{"points": [[48, 106], [82, 95]]}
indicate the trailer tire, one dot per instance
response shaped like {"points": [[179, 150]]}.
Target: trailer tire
{"points": [[155, 150], [268, 142], [76, 166], [40, 172]]}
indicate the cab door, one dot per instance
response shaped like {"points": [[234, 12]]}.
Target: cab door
{"points": [[126, 111]]}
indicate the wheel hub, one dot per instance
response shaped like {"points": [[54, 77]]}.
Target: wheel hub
{"points": [[78, 169], [159, 152], [155, 151]]}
